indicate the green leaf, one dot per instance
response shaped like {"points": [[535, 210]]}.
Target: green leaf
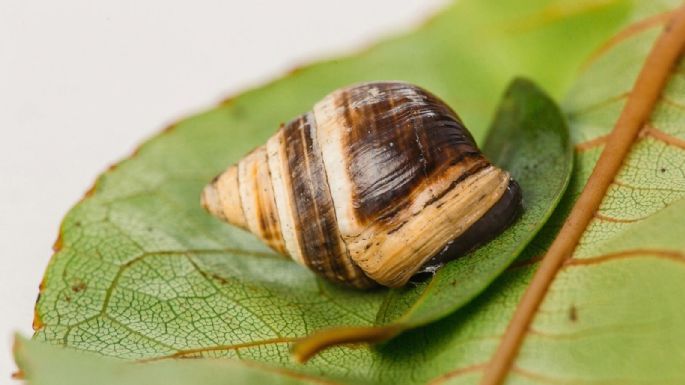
{"points": [[614, 312], [43, 364], [143, 272]]}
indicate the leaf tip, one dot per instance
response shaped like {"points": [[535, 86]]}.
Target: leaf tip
{"points": [[309, 346]]}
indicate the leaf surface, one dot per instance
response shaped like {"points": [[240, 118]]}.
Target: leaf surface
{"points": [[142, 272], [46, 365]]}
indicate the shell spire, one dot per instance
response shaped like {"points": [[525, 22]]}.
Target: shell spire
{"points": [[380, 181]]}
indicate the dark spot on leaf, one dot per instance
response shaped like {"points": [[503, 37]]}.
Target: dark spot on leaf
{"points": [[37, 323], [219, 278], [168, 129], [135, 152], [18, 375], [227, 101], [663, 169], [89, 192], [57, 246], [573, 313], [296, 70], [78, 286], [239, 112], [67, 298]]}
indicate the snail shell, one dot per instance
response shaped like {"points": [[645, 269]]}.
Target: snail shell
{"points": [[380, 181]]}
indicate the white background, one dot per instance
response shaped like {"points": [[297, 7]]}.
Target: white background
{"points": [[82, 82]]}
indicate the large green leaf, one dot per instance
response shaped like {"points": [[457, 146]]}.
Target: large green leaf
{"points": [[606, 319], [43, 364], [615, 312], [529, 138]]}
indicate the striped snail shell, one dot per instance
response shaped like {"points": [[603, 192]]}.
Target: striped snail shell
{"points": [[380, 181]]}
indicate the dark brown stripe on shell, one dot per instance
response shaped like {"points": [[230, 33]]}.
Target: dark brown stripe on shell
{"points": [[476, 164], [475, 167], [268, 227], [240, 196], [400, 137], [268, 220], [314, 216]]}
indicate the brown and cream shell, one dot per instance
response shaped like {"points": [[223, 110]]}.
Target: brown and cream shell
{"points": [[378, 182]]}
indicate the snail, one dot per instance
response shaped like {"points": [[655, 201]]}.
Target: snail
{"points": [[379, 182]]}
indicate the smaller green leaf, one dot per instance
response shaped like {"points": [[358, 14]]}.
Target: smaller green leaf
{"points": [[529, 138], [44, 364]]}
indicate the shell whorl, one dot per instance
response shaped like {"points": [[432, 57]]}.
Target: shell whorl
{"points": [[370, 186]]}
